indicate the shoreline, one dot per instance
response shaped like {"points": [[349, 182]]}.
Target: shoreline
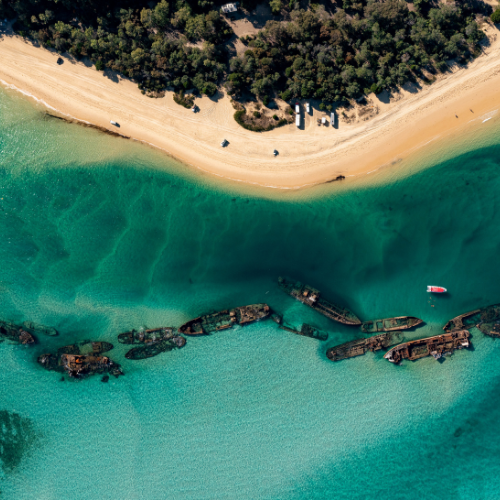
{"points": [[309, 156]]}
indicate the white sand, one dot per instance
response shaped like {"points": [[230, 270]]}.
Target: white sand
{"points": [[306, 156]]}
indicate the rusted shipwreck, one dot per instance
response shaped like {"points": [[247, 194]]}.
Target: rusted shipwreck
{"points": [[438, 346], [151, 342], [390, 324], [153, 349], [359, 347], [80, 366], [222, 320], [147, 336], [78, 361], [486, 319], [14, 333], [306, 331], [312, 297]]}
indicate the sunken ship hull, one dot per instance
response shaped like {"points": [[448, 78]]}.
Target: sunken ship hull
{"points": [[390, 324], [147, 336], [312, 298], [153, 349], [14, 333], [359, 347], [306, 331], [486, 319], [222, 320], [151, 342], [437, 346], [37, 329]]}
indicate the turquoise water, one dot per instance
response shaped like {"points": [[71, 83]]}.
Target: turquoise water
{"points": [[97, 239]]}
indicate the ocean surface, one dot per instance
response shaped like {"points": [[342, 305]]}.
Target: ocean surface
{"points": [[100, 235]]}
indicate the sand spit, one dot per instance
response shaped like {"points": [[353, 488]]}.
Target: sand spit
{"points": [[357, 145]]}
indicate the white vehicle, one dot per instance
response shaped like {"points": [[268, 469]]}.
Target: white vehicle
{"points": [[308, 107], [323, 120], [297, 120], [114, 123], [332, 118], [297, 108]]}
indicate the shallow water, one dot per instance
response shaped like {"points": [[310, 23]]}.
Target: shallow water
{"points": [[96, 239]]}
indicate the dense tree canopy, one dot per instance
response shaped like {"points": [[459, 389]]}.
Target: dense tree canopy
{"points": [[373, 45], [361, 46], [132, 38]]}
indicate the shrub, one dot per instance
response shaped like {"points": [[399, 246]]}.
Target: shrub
{"points": [[495, 17], [256, 114], [265, 100], [99, 66], [275, 117], [286, 95], [209, 89], [238, 116], [183, 100]]}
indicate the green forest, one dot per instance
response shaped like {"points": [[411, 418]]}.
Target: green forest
{"points": [[332, 52]]}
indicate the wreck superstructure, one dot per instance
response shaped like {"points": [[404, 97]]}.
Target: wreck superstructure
{"points": [[312, 297], [359, 347], [437, 346], [222, 320], [390, 324], [10, 331]]}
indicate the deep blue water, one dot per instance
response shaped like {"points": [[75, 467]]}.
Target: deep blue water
{"points": [[100, 235]]}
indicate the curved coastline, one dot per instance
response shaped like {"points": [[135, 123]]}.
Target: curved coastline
{"points": [[78, 93]]}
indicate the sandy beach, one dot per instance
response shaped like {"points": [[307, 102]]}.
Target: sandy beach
{"points": [[394, 128]]}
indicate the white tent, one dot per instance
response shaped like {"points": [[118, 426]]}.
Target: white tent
{"points": [[229, 7]]}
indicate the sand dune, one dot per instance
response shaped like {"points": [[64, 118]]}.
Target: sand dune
{"points": [[308, 155]]}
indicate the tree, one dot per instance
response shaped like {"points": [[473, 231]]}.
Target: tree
{"points": [[276, 6], [495, 17], [161, 14], [209, 89]]}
